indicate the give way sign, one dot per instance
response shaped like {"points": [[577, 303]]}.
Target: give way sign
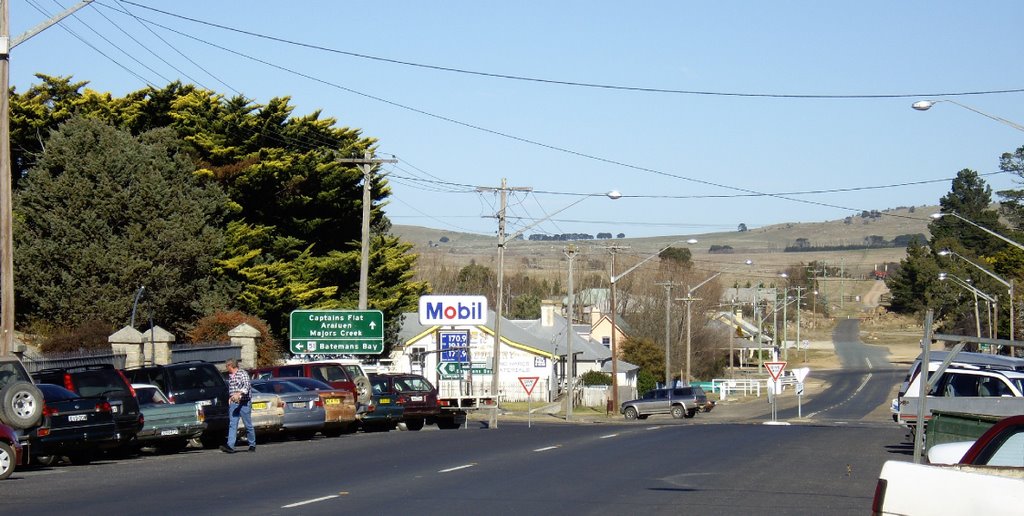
{"points": [[528, 383], [775, 369]]}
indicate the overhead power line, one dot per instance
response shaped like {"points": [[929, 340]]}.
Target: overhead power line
{"points": [[643, 89]]}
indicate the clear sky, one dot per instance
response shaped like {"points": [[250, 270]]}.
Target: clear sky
{"points": [[686, 163]]}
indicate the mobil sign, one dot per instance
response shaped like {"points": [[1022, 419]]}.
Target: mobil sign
{"points": [[449, 310]]}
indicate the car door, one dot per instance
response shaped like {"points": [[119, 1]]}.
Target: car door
{"points": [[662, 403]]}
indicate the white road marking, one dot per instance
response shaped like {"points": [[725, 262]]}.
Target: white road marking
{"points": [[608, 436], [653, 428], [860, 388], [456, 468], [306, 502], [548, 448]]}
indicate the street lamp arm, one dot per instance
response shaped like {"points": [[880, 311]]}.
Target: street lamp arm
{"points": [[701, 284], [979, 267], [924, 105], [967, 286], [983, 228], [649, 258], [47, 24]]}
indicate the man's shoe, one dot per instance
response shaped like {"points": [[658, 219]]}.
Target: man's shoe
{"points": [[224, 448], [252, 448]]}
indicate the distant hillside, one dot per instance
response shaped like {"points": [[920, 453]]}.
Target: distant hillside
{"points": [[774, 238]]}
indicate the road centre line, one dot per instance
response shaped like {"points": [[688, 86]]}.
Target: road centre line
{"points": [[653, 428], [860, 388], [608, 436], [456, 468], [546, 448], [306, 502]]}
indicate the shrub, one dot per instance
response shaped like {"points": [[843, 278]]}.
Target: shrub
{"points": [[215, 328], [89, 335], [596, 378]]}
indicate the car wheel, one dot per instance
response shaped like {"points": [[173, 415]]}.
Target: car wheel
{"points": [[630, 413], [305, 435], [213, 440], [677, 412], [22, 405], [333, 432], [690, 413], [7, 460], [80, 459], [414, 424], [46, 460], [363, 392], [174, 446]]}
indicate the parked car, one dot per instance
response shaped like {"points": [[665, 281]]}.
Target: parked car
{"points": [[416, 395], [267, 415], [679, 401], [21, 403], [339, 406], [100, 380], [73, 426], [384, 411], [338, 374], [11, 453], [168, 426], [304, 413], [192, 382]]}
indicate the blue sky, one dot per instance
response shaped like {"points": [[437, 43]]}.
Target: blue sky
{"points": [[673, 156]]}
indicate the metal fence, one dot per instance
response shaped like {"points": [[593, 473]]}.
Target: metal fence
{"points": [[66, 360], [216, 352]]}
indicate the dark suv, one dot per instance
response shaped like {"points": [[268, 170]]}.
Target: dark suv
{"points": [[188, 382], [415, 393], [679, 401], [105, 381]]}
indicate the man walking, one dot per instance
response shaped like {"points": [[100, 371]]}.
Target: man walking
{"points": [[239, 405]]}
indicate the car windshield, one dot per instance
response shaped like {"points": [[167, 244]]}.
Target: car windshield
{"points": [[55, 392], [150, 396], [99, 382], [330, 373], [310, 384], [276, 387], [412, 383], [195, 377], [11, 372]]}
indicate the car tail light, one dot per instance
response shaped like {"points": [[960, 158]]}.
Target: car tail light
{"points": [[68, 383], [318, 402], [371, 407], [879, 499], [103, 406], [402, 400], [142, 420], [126, 382], [442, 403], [49, 411], [42, 431]]}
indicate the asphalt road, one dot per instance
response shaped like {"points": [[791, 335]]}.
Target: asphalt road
{"points": [[650, 467]]}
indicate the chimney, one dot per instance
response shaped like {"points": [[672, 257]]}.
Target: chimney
{"points": [[547, 314]]}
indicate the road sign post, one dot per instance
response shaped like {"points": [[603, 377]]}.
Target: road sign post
{"points": [[528, 383], [775, 370], [357, 332]]}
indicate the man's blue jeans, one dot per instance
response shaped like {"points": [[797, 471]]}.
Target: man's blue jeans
{"points": [[236, 410]]}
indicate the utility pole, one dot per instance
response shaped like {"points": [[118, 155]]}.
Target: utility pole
{"points": [[7, 213], [615, 350], [503, 191], [798, 341], [570, 358], [366, 164], [668, 330]]}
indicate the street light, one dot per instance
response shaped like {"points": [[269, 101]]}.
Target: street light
{"points": [[689, 300], [1007, 284], [502, 239], [613, 280], [925, 105], [967, 285], [135, 304], [941, 214]]}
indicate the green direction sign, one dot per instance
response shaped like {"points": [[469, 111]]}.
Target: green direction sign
{"points": [[453, 370], [358, 332]]}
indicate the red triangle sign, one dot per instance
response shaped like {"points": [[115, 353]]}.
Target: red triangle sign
{"points": [[528, 383], [775, 369]]}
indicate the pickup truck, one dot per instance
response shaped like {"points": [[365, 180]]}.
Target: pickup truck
{"points": [[168, 426], [988, 479]]}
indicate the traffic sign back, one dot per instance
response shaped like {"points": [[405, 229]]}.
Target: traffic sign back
{"points": [[775, 369]]}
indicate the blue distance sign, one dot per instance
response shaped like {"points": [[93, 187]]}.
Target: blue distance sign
{"points": [[454, 346]]}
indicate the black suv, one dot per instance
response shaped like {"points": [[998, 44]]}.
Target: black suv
{"points": [[679, 401], [100, 380], [188, 382]]}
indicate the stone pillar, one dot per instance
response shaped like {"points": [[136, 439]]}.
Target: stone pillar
{"points": [[156, 346], [245, 336], [127, 341]]}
